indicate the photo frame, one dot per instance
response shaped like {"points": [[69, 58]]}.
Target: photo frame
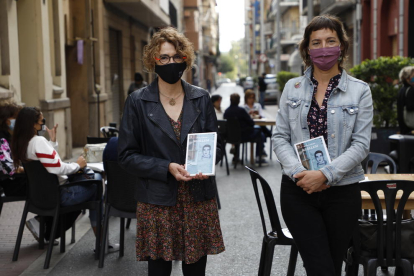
{"points": [[201, 153]]}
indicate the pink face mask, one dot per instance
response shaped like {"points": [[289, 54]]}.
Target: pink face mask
{"points": [[325, 58]]}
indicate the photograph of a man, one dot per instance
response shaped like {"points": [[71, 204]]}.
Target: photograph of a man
{"points": [[320, 160], [206, 152]]}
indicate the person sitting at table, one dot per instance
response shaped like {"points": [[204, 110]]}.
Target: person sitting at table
{"points": [[249, 131], [29, 145], [216, 100], [255, 111]]}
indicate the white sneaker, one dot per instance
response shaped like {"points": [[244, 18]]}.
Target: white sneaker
{"points": [[55, 242], [33, 226]]}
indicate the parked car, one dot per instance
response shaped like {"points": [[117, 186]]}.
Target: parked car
{"points": [[248, 84], [272, 89], [221, 81]]}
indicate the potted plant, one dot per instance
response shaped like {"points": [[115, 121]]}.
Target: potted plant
{"points": [[381, 74]]}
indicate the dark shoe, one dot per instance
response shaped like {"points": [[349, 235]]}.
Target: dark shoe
{"points": [[263, 163], [33, 226], [233, 150]]}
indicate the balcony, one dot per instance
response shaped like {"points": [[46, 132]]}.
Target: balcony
{"points": [[316, 6], [149, 12], [284, 6], [335, 6]]}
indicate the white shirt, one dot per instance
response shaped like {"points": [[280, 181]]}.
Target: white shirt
{"points": [[42, 150]]}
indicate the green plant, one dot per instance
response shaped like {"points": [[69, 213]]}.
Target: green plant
{"points": [[283, 77], [381, 74]]}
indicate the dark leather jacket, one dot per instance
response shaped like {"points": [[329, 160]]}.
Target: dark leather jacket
{"points": [[147, 143]]}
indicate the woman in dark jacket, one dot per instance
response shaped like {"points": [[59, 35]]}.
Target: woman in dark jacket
{"points": [[177, 217], [405, 97]]}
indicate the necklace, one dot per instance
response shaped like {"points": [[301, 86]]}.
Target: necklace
{"points": [[172, 99]]}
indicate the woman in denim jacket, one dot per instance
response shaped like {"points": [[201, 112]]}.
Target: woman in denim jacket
{"points": [[321, 207]]}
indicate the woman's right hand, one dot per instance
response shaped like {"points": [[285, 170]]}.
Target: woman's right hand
{"points": [[179, 172], [81, 162]]}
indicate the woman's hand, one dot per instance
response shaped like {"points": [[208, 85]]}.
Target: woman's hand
{"points": [[52, 133], [179, 172], [311, 181], [81, 162], [200, 176]]}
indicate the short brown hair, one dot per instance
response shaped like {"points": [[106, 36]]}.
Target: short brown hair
{"points": [[168, 34], [248, 94], [324, 22], [234, 99]]}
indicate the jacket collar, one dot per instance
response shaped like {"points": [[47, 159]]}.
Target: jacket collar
{"points": [[343, 82], [151, 93]]}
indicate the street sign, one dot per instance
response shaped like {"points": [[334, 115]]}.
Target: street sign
{"points": [[263, 58]]}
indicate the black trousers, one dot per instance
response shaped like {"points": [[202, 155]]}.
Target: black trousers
{"points": [[321, 224], [163, 268]]}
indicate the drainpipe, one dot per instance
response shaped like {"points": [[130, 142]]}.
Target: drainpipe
{"points": [[401, 30], [375, 38]]}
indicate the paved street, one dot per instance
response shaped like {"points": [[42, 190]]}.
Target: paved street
{"points": [[240, 224]]}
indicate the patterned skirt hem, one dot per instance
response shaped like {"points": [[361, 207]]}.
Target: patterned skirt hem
{"points": [[178, 258]]}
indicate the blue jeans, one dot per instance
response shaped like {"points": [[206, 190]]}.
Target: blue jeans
{"points": [[260, 139], [262, 98], [321, 224], [78, 194]]}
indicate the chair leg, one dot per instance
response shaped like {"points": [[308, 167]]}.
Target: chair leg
{"points": [[42, 232], [104, 234], [371, 268], [98, 231], [128, 223], [268, 259], [262, 258], [407, 267], [1, 205], [73, 240], [227, 161], [62, 234], [292, 260], [51, 239], [20, 233], [121, 237]]}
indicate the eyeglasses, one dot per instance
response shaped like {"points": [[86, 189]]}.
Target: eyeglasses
{"points": [[164, 59]]}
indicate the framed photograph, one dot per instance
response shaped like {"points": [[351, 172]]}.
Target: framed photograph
{"points": [[201, 153], [313, 153]]}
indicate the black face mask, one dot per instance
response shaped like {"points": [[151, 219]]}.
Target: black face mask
{"points": [[43, 129], [171, 72]]}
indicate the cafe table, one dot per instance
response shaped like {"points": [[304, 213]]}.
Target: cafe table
{"points": [[262, 122], [366, 199]]}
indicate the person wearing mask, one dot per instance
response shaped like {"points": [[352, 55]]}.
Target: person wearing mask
{"points": [[249, 131], [321, 207], [177, 216], [28, 145], [13, 179], [216, 100], [137, 84], [262, 89], [405, 101]]}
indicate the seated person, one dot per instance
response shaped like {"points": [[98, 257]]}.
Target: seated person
{"points": [[255, 109], [405, 100], [12, 180], [216, 100], [28, 145], [248, 130]]}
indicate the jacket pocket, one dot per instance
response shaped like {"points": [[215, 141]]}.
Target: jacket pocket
{"points": [[293, 108], [350, 114]]}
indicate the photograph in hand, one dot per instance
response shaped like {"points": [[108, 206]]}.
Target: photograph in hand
{"points": [[201, 153]]}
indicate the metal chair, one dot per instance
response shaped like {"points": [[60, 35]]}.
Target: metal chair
{"points": [[6, 199], [97, 140], [277, 236], [43, 198], [388, 242], [109, 131]]}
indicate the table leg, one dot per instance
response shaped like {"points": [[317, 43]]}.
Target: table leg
{"points": [[252, 154], [270, 154]]}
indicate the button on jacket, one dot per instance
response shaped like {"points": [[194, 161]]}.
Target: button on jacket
{"points": [[349, 118], [147, 143]]}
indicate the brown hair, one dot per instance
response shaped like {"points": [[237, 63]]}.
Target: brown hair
{"points": [[405, 73], [234, 99], [324, 22], [182, 45], [23, 133], [248, 94], [7, 111]]}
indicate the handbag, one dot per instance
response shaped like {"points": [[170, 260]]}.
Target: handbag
{"points": [[82, 174], [368, 234]]}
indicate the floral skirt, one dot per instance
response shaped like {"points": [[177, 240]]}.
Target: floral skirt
{"points": [[186, 232]]}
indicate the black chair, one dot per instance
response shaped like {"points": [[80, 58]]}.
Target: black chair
{"points": [[109, 131], [373, 160], [222, 131], [388, 253], [120, 202], [6, 199], [277, 236], [97, 140], [44, 199]]}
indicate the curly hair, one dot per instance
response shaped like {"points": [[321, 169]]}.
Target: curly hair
{"points": [[325, 21], [405, 73], [168, 34]]}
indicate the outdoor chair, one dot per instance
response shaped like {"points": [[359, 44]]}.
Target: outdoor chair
{"points": [[43, 198], [109, 131], [222, 131], [97, 140], [373, 160], [119, 202], [388, 240], [277, 235], [6, 199]]}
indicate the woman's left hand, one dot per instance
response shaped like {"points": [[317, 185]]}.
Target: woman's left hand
{"points": [[52, 133], [200, 176], [311, 181]]}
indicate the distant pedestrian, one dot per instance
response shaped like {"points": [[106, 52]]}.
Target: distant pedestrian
{"points": [[216, 100], [262, 89], [137, 84], [405, 101], [321, 207], [177, 216]]}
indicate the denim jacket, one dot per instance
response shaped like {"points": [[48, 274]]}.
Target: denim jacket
{"points": [[349, 115]]}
